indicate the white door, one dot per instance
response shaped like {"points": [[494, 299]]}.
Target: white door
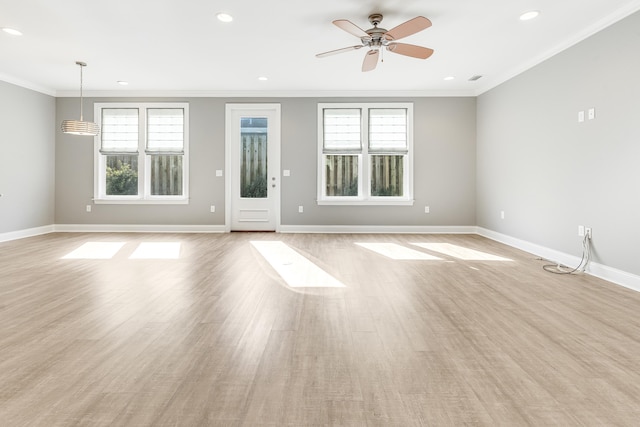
{"points": [[253, 165]]}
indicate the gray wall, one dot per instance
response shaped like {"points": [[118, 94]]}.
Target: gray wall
{"points": [[27, 150], [550, 173], [74, 171], [444, 178]]}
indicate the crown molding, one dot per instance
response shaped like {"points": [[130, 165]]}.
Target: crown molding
{"points": [[27, 85], [262, 94]]}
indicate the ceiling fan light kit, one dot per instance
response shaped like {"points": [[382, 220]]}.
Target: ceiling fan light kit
{"points": [[80, 127], [377, 38]]}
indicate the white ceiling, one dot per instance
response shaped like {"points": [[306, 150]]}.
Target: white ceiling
{"points": [[165, 47]]}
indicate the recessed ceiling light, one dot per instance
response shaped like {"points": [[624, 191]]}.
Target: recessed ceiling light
{"points": [[12, 31], [448, 78], [532, 14], [263, 78], [224, 17], [122, 83]]}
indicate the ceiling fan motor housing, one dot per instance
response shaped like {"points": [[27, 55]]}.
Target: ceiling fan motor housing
{"points": [[377, 36]]}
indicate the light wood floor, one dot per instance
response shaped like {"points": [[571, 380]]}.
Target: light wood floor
{"points": [[217, 338]]}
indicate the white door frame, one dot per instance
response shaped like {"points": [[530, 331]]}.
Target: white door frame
{"points": [[274, 164]]}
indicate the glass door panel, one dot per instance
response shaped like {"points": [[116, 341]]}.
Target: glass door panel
{"points": [[253, 158]]}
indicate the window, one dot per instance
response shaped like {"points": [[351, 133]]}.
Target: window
{"points": [[141, 153], [365, 154]]}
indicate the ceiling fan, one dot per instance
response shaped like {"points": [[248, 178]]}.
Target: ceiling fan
{"points": [[376, 38]]}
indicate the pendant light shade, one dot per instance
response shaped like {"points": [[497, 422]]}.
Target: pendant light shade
{"points": [[80, 127]]}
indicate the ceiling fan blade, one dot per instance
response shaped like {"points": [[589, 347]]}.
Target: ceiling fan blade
{"points": [[350, 27], [410, 50], [333, 52], [412, 26], [370, 60]]}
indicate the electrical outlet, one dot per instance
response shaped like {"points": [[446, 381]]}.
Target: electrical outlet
{"points": [[426, 209], [88, 208], [580, 116], [502, 214], [588, 231], [581, 230], [212, 209], [300, 209], [592, 113]]}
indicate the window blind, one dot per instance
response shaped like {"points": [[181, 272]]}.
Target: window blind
{"points": [[165, 130], [342, 129], [119, 130], [388, 130]]}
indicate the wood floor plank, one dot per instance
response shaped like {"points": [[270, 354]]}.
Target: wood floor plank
{"points": [[217, 337]]}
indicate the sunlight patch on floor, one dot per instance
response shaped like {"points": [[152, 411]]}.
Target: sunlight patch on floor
{"points": [[397, 252], [460, 252], [296, 270], [95, 250], [157, 250]]}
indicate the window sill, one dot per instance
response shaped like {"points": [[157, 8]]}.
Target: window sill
{"points": [[141, 201], [370, 202]]}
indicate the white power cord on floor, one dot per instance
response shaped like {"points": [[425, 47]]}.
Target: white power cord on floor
{"points": [[563, 269]]}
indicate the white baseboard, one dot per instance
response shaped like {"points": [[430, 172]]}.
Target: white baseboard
{"points": [[29, 232], [614, 275], [601, 271], [377, 229], [136, 228], [541, 251]]}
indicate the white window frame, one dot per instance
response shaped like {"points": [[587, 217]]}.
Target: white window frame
{"points": [[144, 169], [364, 158]]}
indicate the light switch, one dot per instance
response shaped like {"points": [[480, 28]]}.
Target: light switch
{"points": [[580, 116], [592, 113], [286, 172], [218, 172]]}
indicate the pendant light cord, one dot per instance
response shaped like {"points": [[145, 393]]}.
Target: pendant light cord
{"points": [[81, 64]]}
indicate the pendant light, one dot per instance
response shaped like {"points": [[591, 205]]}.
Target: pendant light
{"points": [[80, 127]]}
